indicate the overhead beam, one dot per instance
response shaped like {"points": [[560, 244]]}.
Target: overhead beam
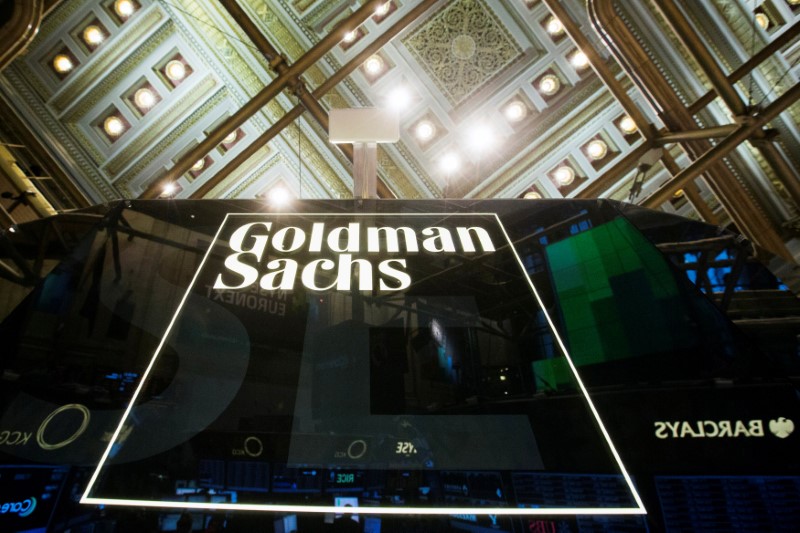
{"points": [[251, 149], [255, 104]]}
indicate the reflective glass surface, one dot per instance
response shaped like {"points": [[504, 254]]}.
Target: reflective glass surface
{"points": [[383, 356]]}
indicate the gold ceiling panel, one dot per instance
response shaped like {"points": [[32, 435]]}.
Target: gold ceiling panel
{"points": [[462, 48]]}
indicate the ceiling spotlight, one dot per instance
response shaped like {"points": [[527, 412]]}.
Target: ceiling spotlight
{"points": [[383, 9], [144, 98], [627, 125], [124, 8], [63, 63], [399, 98], [532, 195], [515, 111], [175, 70], [564, 175], [279, 195], [678, 194], [554, 26], [480, 138], [169, 189], [350, 36], [597, 149], [762, 20], [549, 84], [450, 162], [93, 35], [794, 2], [199, 165], [113, 126], [231, 137], [579, 60], [425, 130], [374, 65]]}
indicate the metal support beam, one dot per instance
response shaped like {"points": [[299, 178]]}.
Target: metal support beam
{"points": [[712, 156], [269, 92], [699, 51], [748, 66], [291, 115], [714, 132]]}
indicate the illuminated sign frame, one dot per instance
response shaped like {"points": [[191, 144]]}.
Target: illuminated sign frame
{"points": [[443, 511]]}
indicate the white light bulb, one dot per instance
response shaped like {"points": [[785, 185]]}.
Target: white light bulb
{"points": [[549, 84], [279, 195], [425, 130], [374, 65], [231, 137], [93, 35], [114, 126], [579, 60], [198, 166], [62, 63], [144, 98], [350, 36], [627, 125], [515, 111], [124, 8], [399, 98], [532, 195], [564, 175], [383, 9], [450, 162], [175, 70], [554, 26], [597, 149]]}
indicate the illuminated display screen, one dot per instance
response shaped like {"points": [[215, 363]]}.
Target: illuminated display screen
{"points": [[407, 357], [383, 323]]}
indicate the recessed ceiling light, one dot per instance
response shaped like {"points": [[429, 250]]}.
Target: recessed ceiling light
{"points": [[279, 195], [383, 9], [231, 137], [144, 98], [579, 60], [597, 149], [678, 194], [549, 84], [627, 125], [198, 166], [515, 111], [124, 8], [175, 70], [450, 162], [62, 63], [532, 195], [425, 130], [169, 189], [93, 35], [374, 65], [564, 175], [480, 138], [350, 36], [762, 20], [399, 98], [554, 26], [114, 126]]}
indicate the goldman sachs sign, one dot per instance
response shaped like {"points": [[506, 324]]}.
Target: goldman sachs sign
{"points": [[390, 344]]}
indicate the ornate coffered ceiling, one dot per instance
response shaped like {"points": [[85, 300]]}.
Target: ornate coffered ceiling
{"points": [[464, 64]]}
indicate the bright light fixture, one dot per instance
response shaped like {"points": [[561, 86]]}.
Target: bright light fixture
{"points": [[169, 189], [124, 8], [762, 20], [549, 84], [175, 70], [627, 125], [564, 175], [450, 162], [515, 111], [144, 98], [63, 63], [279, 195], [374, 65], [425, 130], [399, 98], [93, 35], [350, 36], [480, 138], [113, 126], [532, 195], [554, 26], [198, 166], [231, 137], [579, 60], [383, 9], [596, 149]]}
